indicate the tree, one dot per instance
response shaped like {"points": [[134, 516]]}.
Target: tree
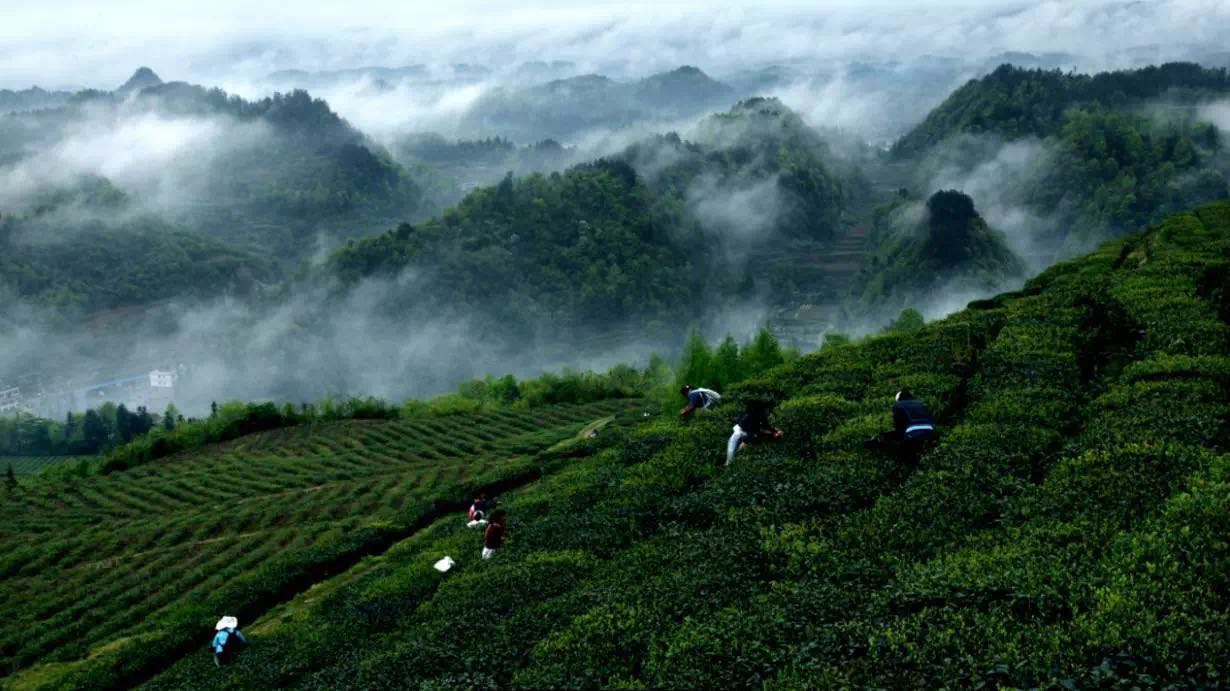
{"points": [[696, 363], [834, 340], [169, 417], [762, 354], [94, 431], [909, 321], [123, 424], [10, 478], [727, 365]]}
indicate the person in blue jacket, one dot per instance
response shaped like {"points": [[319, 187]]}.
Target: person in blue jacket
{"points": [[227, 640]]}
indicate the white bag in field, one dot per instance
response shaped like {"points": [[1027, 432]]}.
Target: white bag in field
{"points": [[444, 564], [476, 524]]}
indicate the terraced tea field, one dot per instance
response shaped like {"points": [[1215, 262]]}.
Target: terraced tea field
{"points": [[145, 556], [28, 465]]}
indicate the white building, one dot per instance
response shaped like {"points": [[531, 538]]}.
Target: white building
{"points": [[10, 400], [153, 390], [162, 379]]}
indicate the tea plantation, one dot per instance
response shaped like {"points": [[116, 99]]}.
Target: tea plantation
{"points": [[113, 575], [1069, 528], [26, 465]]}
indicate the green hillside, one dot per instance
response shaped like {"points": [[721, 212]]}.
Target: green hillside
{"points": [[646, 240], [119, 567], [1068, 528], [1016, 102], [1088, 157]]}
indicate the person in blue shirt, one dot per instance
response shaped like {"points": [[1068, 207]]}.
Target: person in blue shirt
{"points": [[227, 641], [698, 398]]}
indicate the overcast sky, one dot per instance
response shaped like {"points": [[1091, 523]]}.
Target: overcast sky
{"points": [[61, 43]]}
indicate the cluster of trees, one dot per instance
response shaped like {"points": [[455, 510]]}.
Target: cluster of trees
{"points": [[728, 363], [95, 431]]}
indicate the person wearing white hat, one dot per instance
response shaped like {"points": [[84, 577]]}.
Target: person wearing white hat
{"points": [[227, 641]]}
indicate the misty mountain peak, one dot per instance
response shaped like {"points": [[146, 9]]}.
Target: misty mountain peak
{"points": [[143, 78]]}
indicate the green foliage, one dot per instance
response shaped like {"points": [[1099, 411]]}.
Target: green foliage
{"points": [[909, 321], [241, 526], [1067, 528]]}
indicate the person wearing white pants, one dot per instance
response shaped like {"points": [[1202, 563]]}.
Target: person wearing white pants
{"points": [[733, 445], [753, 426]]}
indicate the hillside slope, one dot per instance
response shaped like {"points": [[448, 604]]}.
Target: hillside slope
{"points": [[107, 576], [1068, 527]]}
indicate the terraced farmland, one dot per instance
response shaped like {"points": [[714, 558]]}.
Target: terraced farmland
{"points": [[1066, 530], [146, 557], [28, 465]]}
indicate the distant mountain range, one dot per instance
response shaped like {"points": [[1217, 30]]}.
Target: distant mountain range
{"points": [[569, 108]]}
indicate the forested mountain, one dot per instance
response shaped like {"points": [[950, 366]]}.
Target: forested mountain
{"points": [[650, 237], [1014, 102], [775, 172], [942, 247], [89, 248], [447, 169], [1082, 157], [33, 98], [272, 174], [586, 248], [565, 109]]}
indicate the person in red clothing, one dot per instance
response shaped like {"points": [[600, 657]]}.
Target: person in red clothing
{"points": [[494, 537]]}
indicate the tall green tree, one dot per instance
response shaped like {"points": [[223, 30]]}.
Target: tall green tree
{"points": [[123, 424], [94, 431], [696, 363], [762, 354], [727, 365], [168, 417]]}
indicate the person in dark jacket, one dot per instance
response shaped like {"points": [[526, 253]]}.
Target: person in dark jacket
{"points": [[227, 640], [912, 421], [912, 426], [493, 537], [752, 427]]}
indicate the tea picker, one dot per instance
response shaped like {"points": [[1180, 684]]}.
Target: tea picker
{"points": [[752, 427], [227, 640], [913, 426], [703, 399]]}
